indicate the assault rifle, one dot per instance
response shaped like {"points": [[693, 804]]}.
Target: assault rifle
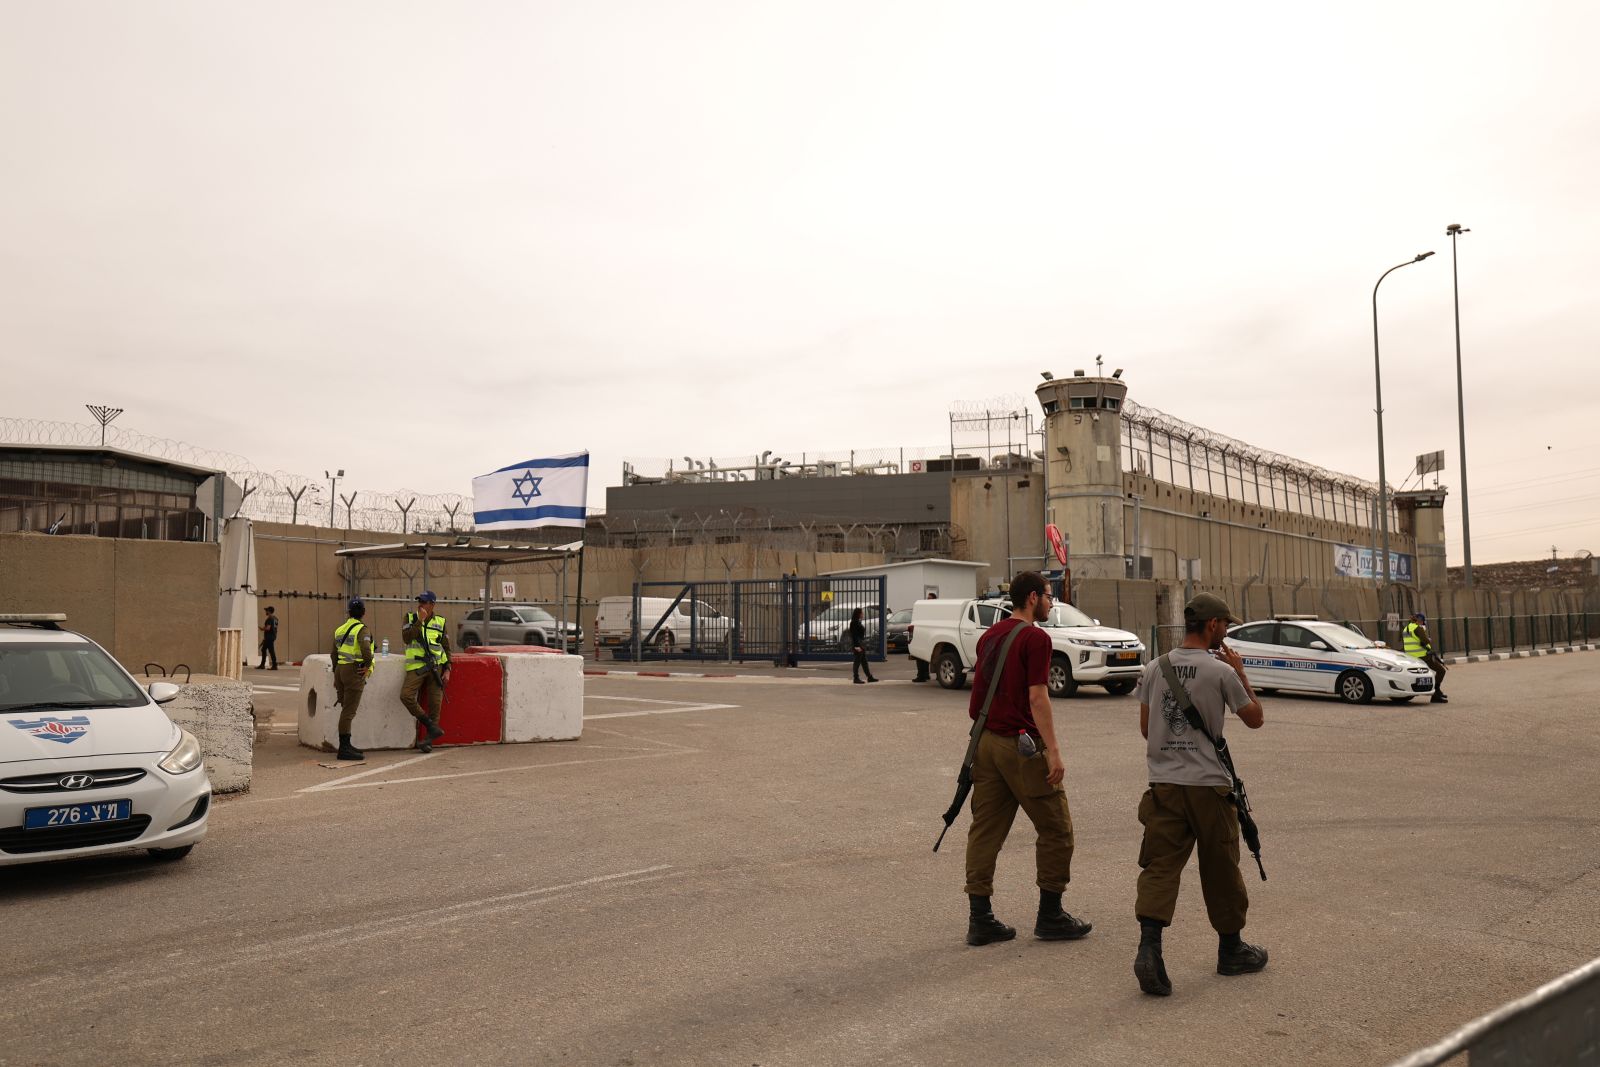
{"points": [[964, 778], [1247, 823]]}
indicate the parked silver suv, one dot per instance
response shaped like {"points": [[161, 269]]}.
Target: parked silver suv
{"points": [[517, 624]]}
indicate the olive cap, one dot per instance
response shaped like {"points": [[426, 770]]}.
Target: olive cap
{"points": [[1207, 606]]}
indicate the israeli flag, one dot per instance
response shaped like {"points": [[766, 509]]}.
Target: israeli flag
{"points": [[538, 492]]}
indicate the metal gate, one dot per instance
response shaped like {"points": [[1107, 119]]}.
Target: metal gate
{"points": [[783, 620]]}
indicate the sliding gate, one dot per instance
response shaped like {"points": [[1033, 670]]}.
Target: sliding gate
{"points": [[782, 620]]}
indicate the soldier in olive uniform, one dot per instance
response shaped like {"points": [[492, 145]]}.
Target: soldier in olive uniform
{"points": [[1188, 804], [352, 666], [427, 641]]}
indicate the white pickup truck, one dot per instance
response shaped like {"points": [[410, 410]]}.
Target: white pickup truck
{"points": [[945, 633]]}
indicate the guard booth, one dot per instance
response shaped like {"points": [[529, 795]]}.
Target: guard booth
{"points": [[490, 556], [784, 620]]}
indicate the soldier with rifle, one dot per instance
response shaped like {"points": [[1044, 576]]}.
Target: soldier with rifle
{"points": [[1014, 760], [427, 667], [1195, 799]]}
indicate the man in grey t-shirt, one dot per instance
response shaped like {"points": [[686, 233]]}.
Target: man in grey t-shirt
{"points": [[1188, 802]]}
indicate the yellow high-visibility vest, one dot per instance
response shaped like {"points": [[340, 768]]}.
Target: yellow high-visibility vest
{"points": [[1413, 643], [432, 631], [347, 642]]}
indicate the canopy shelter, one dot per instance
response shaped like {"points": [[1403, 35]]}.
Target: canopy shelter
{"points": [[462, 550]]}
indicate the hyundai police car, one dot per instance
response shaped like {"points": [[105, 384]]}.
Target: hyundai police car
{"points": [[1306, 655], [89, 763]]}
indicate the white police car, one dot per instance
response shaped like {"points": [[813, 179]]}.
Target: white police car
{"points": [[1303, 654], [89, 763]]}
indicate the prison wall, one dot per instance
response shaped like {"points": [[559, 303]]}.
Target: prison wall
{"points": [[145, 601]]}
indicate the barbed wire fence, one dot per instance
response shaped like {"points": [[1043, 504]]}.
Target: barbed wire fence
{"points": [[1163, 447], [277, 496]]}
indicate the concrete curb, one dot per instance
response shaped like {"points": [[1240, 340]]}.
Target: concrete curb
{"points": [[1526, 653]]}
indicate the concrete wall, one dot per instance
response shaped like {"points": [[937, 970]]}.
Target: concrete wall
{"points": [[1006, 519], [145, 601], [901, 498]]}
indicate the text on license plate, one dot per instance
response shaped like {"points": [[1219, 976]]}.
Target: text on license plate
{"points": [[78, 814], [1125, 657]]}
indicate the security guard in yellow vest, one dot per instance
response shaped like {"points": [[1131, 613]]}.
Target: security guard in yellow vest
{"points": [[352, 665], [427, 667], [1420, 646]]}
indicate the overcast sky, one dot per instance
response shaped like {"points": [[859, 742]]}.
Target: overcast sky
{"points": [[424, 240]]}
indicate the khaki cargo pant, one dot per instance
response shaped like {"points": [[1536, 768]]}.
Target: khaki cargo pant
{"points": [[349, 682], [1176, 819], [1002, 781], [420, 683]]}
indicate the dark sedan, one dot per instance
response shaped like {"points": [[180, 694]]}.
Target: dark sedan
{"points": [[899, 626]]}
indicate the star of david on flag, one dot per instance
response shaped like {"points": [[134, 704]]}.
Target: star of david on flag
{"points": [[552, 491]]}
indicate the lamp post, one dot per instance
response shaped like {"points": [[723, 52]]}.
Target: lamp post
{"points": [[1453, 231], [1377, 374], [333, 493]]}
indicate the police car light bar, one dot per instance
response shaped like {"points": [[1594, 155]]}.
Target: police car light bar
{"points": [[49, 620]]}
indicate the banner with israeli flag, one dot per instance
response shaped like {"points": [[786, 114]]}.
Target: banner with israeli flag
{"points": [[552, 491]]}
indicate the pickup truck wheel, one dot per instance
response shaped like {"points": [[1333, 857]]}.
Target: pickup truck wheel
{"points": [[1060, 681], [948, 670], [1120, 689], [535, 639], [469, 639]]}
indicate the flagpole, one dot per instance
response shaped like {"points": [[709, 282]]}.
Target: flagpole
{"points": [[582, 541]]}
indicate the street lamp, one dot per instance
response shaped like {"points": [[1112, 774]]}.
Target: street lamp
{"points": [[1453, 231], [333, 493], [1377, 374]]}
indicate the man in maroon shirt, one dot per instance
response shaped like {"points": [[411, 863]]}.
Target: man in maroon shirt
{"points": [[1018, 764]]}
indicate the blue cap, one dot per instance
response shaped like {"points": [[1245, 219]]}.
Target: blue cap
{"points": [[426, 597], [1420, 615]]}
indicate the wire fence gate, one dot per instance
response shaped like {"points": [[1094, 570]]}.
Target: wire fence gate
{"points": [[784, 620]]}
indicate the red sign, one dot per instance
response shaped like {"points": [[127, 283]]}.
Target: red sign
{"points": [[1057, 542]]}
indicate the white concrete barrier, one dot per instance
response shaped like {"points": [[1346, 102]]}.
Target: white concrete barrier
{"points": [[220, 716], [543, 696], [381, 721]]}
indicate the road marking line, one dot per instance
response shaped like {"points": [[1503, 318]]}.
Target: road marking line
{"points": [[658, 711], [339, 783], [348, 784], [257, 688], [171, 969], [636, 700]]}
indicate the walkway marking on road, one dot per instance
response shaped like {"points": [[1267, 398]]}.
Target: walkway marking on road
{"points": [[172, 967], [663, 707], [350, 783], [256, 687]]}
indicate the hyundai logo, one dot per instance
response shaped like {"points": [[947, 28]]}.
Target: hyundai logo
{"points": [[77, 781]]}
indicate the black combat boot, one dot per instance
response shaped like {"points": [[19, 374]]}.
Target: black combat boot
{"points": [[983, 928], [1054, 924], [1235, 956], [347, 750], [1438, 698], [1148, 966]]}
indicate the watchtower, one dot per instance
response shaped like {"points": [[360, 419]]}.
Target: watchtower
{"points": [[1083, 448]]}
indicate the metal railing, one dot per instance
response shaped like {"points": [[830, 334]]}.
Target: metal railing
{"points": [[1557, 1025]]}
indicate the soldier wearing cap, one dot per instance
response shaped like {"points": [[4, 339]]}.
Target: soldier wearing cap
{"points": [[427, 667], [1419, 645], [352, 666], [1187, 806]]}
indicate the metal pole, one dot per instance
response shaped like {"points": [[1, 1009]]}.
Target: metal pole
{"points": [[1455, 230], [487, 636], [1377, 375]]}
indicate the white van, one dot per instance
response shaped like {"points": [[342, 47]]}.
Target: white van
{"points": [[692, 621]]}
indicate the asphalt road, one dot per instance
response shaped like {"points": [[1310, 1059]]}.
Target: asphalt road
{"points": [[739, 872]]}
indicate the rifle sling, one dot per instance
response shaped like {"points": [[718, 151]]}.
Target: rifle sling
{"points": [[981, 722]]}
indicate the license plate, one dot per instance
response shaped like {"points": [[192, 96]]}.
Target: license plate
{"points": [[1125, 657], [77, 814]]}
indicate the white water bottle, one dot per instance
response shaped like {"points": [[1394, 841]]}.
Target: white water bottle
{"points": [[385, 646]]}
